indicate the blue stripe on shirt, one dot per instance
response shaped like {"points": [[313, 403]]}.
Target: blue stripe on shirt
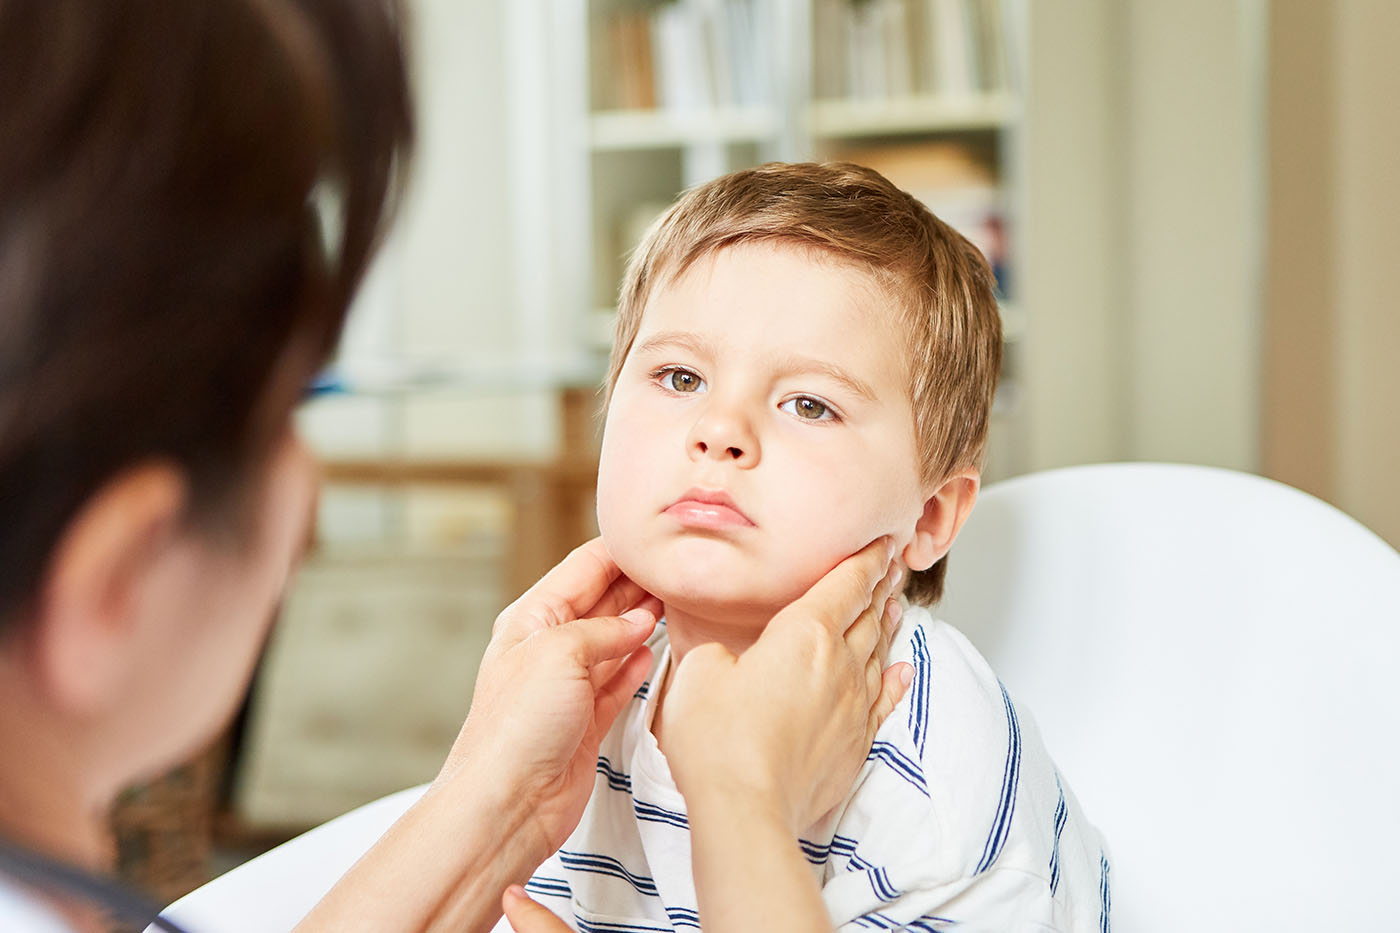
{"points": [[880, 884], [926, 923], [918, 701], [1011, 771], [900, 764], [816, 854], [844, 845], [600, 926], [878, 921], [683, 917], [617, 780], [1061, 818], [607, 865], [1105, 899], [654, 814], [553, 887]]}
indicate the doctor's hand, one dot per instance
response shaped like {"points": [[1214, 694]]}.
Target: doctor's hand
{"points": [[526, 916], [563, 660], [763, 744], [787, 725]]}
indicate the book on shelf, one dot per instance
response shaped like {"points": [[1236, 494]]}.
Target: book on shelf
{"points": [[952, 180], [684, 56], [873, 49], [954, 51], [989, 37], [629, 51]]}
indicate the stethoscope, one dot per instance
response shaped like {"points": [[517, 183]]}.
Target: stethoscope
{"points": [[51, 876]]}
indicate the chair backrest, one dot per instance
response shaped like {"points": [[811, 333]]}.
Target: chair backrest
{"points": [[1211, 659]]}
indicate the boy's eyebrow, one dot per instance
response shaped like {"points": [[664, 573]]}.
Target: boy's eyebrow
{"points": [[790, 365], [806, 364], [676, 338]]}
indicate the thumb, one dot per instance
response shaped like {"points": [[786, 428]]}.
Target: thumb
{"points": [[605, 638], [526, 916]]}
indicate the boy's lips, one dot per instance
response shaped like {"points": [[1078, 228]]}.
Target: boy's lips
{"points": [[707, 508]]}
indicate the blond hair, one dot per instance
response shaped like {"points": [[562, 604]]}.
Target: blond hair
{"points": [[940, 285]]}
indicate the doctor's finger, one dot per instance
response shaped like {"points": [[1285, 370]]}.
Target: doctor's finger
{"points": [[870, 633], [591, 642], [893, 685], [839, 597], [576, 584], [889, 627], [863, 637], [602, 672], [526, 916], [622, 594], [614, 695]]}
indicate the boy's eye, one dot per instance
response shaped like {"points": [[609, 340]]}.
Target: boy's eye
{"points": [[683, 380], [808, 409]]}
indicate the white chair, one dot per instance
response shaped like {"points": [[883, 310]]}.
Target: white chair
{"points": [[276, 890], [1212, 659]]}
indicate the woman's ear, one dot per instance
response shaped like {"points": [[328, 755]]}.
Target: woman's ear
{"points": [[945, 510], [88, 616]]}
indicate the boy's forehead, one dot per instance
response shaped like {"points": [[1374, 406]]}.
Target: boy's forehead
{"points": [[784, 298], [772, 266]]}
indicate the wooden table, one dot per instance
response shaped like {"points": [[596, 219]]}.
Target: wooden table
{"points": [[552, 499]]}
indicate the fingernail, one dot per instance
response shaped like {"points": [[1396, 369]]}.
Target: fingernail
{"points": [[639, 616], [516, 891], [898, 576], [906, 675], [889, 548], [894, 610]]}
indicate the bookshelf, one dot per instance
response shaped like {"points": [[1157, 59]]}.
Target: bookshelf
{"points": [[623, 130], [917, 115], [926, 91]]}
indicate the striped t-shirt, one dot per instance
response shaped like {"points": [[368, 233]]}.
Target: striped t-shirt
{"points": [[958, 820]]}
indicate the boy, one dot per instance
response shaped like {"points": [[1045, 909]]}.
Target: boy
{"points": [[805, 361]]}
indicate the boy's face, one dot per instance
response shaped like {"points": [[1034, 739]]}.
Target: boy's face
{"points": [[760, 431]]}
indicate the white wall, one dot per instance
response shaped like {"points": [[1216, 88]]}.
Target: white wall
{"points": [[1366, 254], [1194, 123], [455, 287], [1072, 230], [444, 287], [1143, 226]]}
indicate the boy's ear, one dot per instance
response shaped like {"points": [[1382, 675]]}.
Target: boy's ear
{"points": [[945, 510], [86, 630]]}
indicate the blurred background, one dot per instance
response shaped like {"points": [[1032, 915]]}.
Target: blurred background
{"points": [[1191, 208]]}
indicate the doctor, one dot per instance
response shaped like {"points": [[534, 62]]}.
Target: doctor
{"points": [[190, 191]]}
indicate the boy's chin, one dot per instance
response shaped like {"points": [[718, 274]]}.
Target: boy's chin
{"points": [[725, 604], [715, 583]]}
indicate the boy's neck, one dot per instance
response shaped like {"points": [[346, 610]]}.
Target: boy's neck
{"points": [[685, 631]]}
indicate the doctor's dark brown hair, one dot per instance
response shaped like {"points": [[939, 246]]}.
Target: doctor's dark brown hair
{"points": [[190, 191], [940, 288]]}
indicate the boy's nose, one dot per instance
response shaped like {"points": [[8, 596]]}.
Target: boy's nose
{"points": [[723, 435]]}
